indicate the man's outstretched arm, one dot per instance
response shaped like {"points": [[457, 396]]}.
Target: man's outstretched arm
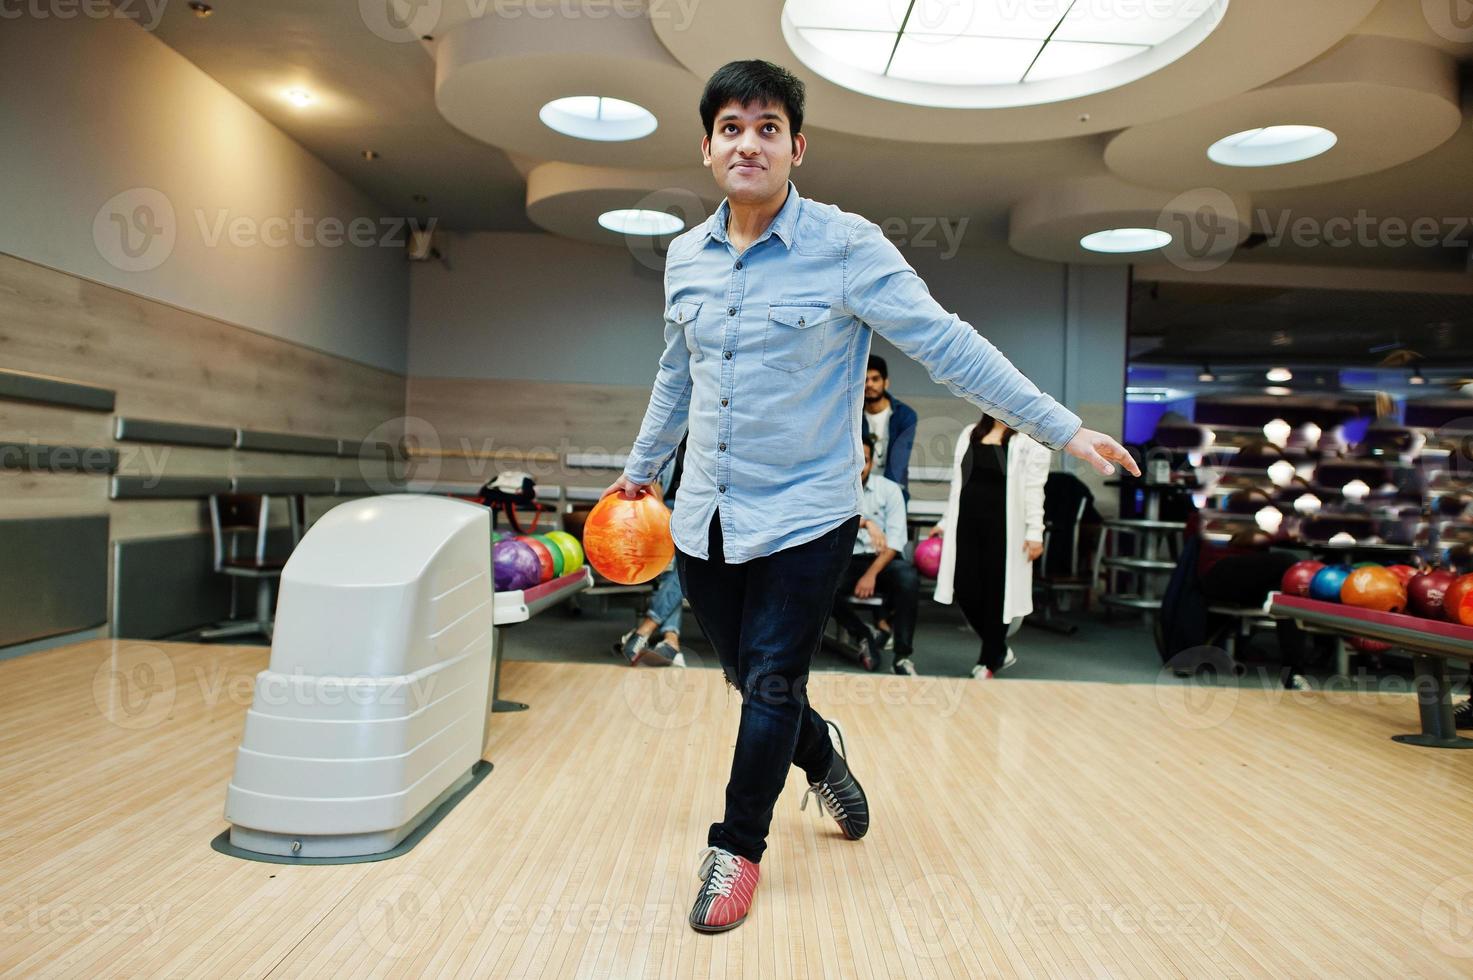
{"points": [[885, 292]]}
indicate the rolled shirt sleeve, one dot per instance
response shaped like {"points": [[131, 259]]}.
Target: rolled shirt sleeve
{"points": [[883, 290], [894, 517]]}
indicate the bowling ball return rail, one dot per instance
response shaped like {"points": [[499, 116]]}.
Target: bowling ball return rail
{"points": [[1430, 642]]}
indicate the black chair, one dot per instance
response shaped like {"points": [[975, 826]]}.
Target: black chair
{"points": [[235, 517]]}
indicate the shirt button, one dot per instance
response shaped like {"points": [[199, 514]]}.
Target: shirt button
{"points": [[739, 265], [727, 355], [722, 447], [731, 311], [723, 403], [722, 488]]}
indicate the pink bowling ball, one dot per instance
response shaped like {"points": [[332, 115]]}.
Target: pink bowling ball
{"points": [[928, 556]]}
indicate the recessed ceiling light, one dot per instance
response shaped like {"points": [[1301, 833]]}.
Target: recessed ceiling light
{"points": [[200, 8], [994, 54], [1121, 240], [1205, 375], [370, 154], [1271, 146], [638, 221], [299, 97], [1279, 375], [593, 117]]}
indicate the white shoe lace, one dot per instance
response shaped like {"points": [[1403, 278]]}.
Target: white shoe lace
{"points": [[825, 795], [723, 868]]}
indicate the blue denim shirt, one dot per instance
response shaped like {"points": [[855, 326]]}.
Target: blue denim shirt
{"points": [[765, 354]]}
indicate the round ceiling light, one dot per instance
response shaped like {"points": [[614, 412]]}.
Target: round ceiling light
{"points": [[1272, 146], [593, 117], [993, 54], [1119, 240], [638, 221]]}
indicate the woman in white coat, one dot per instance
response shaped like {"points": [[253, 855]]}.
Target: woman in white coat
{"points": [[991, 534]]}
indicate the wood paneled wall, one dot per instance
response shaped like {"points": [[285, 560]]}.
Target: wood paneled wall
{"points": [[170, 364]]}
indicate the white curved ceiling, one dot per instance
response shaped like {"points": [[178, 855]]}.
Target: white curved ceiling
{"points": [[454, 118]]}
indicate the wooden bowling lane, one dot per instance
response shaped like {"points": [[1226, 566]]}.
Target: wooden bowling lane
{"points": [[1020, 828]]}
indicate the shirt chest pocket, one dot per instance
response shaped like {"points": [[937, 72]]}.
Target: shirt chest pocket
{"points": [[682, 316], [794, 336]]}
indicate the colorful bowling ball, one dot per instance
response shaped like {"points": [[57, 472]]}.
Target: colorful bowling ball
{"points": [[1426, 592], [572, 550], [1325, 586], [628, 541], [554, 549], [928, 556], [1457, 605], [1374, 587], [516, 566], [543, 555], [1404, 572], [1298, 576]]}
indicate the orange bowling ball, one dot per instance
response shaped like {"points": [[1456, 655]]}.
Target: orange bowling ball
{"points": [[1457, 605], [1374, 587], [628, 541]]}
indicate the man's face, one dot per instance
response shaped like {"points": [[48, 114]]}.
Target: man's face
{"points": [[751, 151], [874, 385], [869, 461]]}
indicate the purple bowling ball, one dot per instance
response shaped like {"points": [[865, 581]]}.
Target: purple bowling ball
{"points": [[517, 566]]}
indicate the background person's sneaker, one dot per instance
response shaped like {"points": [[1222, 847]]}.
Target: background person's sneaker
{"points": [[904, 666], [841, 794], [981, 673], [630, 646], [728, 883], [663, 654], [1009, 660]]}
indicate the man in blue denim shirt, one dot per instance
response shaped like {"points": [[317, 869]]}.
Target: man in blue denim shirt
{"points": [[768, 311]]}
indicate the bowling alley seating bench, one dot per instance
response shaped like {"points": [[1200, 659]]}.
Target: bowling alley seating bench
{"points": [[1431, 643]]}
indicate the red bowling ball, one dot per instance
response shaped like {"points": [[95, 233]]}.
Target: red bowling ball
{"points": [[1298, 576], [1426, 592], [1404, 572], [1457, 605]]}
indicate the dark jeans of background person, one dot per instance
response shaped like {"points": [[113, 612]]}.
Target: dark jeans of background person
{"points": [[1246, 580], [898, 585], [765, 617], [980, 577]]}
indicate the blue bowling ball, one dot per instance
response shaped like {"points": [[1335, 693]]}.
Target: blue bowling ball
{"points": [[1325, 586]]}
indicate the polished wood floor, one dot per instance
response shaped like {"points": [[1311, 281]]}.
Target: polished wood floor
{"points": [[1021, 828]]}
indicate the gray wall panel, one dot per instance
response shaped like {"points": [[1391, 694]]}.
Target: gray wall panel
{"points": [[53, 576]]}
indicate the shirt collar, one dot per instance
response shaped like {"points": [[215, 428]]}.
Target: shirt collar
{"points": [[784, 225]]}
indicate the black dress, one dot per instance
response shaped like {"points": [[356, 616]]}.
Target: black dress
{"points": [[981, 549]]}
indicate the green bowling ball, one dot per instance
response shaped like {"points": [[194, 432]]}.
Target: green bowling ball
{"points": [[559, 560]]}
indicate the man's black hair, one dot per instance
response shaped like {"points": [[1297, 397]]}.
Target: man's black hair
{"points": [[746, 82], [877, 363]]}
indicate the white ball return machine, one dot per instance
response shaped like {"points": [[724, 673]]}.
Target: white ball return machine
{"points": [[373, 714]]}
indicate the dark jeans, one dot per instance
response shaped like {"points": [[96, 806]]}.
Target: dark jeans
{"points": [[899, 586], [765, 617]]}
